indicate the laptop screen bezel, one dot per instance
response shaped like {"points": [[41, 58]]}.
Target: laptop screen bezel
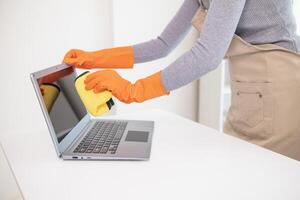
{"points": [[60, 147]]}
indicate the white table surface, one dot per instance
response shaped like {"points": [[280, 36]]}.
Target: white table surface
{"points": [[188, 161]]}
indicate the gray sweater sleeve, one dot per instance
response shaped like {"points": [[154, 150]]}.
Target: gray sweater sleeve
{"points": [[218, 31], [170, 37]]}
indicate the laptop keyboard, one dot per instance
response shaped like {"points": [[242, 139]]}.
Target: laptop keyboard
{"points": [[103, 138]]}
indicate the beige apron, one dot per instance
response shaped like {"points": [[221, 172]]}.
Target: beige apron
{"points": [[265, 104]]}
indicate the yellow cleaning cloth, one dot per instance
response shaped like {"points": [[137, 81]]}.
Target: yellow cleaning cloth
{"points": [[50, 94], [96, 104]]}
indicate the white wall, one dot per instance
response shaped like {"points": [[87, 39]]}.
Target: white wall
{"points": [[36, 34], [297, 13], [139, 21]]}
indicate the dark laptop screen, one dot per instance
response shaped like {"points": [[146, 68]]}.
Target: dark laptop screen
{"points": [[62, 101]]}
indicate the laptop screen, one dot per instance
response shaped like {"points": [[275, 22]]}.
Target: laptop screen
{"points": [[61, 100]]}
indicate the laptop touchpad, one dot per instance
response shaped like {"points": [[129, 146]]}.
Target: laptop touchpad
{"points": [[137, 136]]}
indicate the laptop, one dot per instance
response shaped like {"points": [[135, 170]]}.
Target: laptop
{"points": [[78, 136]]}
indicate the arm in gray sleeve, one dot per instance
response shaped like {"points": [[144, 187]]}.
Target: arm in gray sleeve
{"points": [[170, 37], [218, 30]]}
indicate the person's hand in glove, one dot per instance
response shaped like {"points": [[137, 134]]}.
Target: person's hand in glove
{"points": [[124, 90], [121, 57]]}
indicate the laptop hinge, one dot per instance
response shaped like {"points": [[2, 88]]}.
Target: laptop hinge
{"points": [[74, 134]]}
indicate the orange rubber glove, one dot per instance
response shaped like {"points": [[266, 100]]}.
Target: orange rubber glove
{"points": [[122, 89], [121, 57]]}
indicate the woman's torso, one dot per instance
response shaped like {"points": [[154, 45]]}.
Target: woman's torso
{"points": [[267, 21]]}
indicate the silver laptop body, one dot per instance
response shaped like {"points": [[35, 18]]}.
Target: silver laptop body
{"points": [[69, 123]]}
